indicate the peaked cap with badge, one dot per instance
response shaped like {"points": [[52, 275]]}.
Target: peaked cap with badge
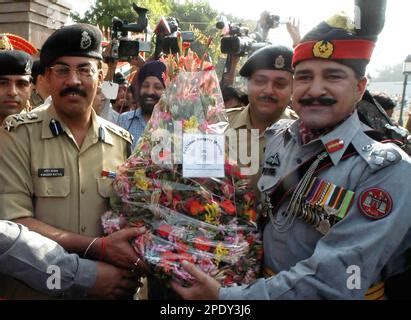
{"points": [[15, 62], [268, 58], [78, 40], [336, 40]]}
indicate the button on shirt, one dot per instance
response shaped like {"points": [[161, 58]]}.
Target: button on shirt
{"points": [[133, 121]]}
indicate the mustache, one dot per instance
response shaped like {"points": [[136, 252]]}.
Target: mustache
{"points": [[74, 90], [325, 101], [268, 99], [16, 100]]}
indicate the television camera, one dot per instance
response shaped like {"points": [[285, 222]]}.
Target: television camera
{"points": [[123, 48], [237, 39], [167, 34]]}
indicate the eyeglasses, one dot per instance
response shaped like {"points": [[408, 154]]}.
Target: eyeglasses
{"points": [[62, 71]]}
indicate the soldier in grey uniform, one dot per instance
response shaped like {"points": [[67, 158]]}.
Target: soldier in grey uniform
{"points": [[337, 200], [45, 266]]}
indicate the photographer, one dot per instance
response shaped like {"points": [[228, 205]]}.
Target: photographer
{"points": [[170, 38], [120, 103], [233, 58]]}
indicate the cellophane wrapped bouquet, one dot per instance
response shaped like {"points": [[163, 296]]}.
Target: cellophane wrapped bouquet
{"points": [[208, 221]]}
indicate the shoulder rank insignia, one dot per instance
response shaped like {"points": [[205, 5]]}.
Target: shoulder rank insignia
{"points": [[32, 116], [273, 160], [375, 203], [18, 117], [120, 132], [8, 125], [234, 109], [14, 121]]}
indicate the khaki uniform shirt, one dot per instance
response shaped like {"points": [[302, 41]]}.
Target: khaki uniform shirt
{"points": [[45, 175], [35, 99], [239, 118], [53, 180]]}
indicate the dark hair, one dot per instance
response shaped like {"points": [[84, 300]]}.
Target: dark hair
{"points": [[229, 92], [384, 100], [36, 70]]}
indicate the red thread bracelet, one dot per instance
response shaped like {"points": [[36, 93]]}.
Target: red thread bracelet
{"points": [[103, 248]]}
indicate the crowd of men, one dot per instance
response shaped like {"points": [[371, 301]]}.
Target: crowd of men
{"points": [[328, 185]]}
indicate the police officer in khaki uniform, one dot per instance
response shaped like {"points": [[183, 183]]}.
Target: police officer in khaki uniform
{"points": [[57, 164], [269, 86], [337, 199], [15, 82]]}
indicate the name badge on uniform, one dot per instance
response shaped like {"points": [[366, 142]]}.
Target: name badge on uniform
{"points": [[51, 172]]}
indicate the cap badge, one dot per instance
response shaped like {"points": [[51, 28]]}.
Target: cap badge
{"points": [[85, 40], [323, 49], [279, 62], [27, 68]]}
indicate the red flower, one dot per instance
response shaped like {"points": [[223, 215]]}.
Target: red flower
{"points": [[164, 230], [186, 45], [249, 196], [228, 281], [252, 215], [228, 168], [184, 256], [182, 247], [202, 243], [228, 207], [169, 256], [250, 240], [194, 207]]}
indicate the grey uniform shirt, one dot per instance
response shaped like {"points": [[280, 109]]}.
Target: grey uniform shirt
{"points": [[313, 265], [28, 256]]}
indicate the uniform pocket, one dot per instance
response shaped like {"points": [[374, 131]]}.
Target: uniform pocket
{"points": [[105, 187], [52, 187]]}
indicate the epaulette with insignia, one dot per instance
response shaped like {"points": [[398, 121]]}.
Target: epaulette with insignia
{"points": [[290, 114], [377, 155], [234, 109], [15, 120], [281, 124], [119, 131]]}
